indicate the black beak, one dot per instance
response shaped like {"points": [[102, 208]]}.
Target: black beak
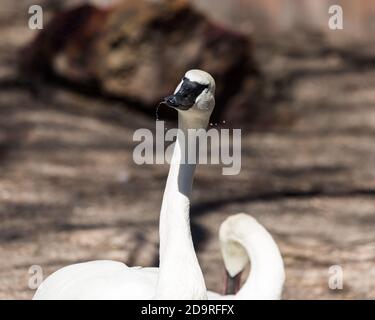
{"points": [[186, 96], [232, 284]]}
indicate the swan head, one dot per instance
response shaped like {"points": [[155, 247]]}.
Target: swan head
{"points": [[242, 238], [195, 93], [234, 255]]}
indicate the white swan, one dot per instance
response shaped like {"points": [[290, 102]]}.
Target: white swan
{"points": [[179, 275], [242, 239]]}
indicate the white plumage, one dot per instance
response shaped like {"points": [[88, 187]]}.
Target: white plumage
{"points": [[179, 275]]}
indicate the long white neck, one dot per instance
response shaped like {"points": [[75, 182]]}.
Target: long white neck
{"points": [[180, 276], [267, 273]]}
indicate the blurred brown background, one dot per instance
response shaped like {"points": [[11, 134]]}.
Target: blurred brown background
{"points": [[286, 15], [72, 95]]}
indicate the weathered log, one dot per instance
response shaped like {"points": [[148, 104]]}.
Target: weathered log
{"points": [[139, 50]]}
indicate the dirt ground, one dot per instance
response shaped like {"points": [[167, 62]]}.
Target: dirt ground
{"points": [[70, 191]]}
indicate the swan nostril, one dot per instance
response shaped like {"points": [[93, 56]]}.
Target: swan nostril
{"points": [[171, 101]]}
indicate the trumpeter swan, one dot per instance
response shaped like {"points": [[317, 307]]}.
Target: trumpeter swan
{"points": [[179, 275], [242, 239]]}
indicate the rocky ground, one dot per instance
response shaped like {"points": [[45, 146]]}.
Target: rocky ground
{"points": [[70, 191]]}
